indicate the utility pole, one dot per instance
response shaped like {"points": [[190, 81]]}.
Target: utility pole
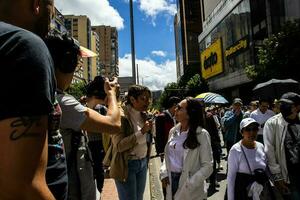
{"points": [[137, 74], [132, 42]]}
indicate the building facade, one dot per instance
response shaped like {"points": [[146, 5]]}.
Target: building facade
{"points": [[108, 50], [95, 62], [79, 27], [58, 23], [232, 32], [187, 27]]}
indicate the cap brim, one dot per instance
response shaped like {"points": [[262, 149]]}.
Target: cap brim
{"points": [[86, 53]]}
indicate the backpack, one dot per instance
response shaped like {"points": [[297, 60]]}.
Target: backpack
{"points": [[80, 166]]}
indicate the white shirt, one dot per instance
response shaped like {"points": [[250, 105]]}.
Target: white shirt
{"points": [[176, 151], [237, 163], [140, 149], [174, 120], [261, 118]]}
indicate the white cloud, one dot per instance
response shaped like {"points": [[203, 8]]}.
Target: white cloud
{"points": [[159, 53], [151, 74], [154, 7], [100, 12]]}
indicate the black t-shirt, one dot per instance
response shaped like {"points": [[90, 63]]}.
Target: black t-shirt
{"points": [[27, 88], [27, 84]]}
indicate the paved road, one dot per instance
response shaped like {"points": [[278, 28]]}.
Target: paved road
{"points": [[153, 189], [155, 184]]}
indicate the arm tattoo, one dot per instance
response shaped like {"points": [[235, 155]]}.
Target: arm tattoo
{"points": [[24, 122]]}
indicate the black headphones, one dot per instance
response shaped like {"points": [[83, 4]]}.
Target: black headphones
{"points": [[65, 51]]}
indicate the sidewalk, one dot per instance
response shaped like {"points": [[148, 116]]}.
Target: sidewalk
{"points": [[110, 191]]}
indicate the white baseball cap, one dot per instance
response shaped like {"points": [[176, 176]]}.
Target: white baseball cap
{"points": [[246, 122]]}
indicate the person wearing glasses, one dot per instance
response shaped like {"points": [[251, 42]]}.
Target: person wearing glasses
{"points": [[188, 158], [246, 158]]}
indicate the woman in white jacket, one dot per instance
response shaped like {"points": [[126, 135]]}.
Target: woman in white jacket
{"points": [[188, 155]]}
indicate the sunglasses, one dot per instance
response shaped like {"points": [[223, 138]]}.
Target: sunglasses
{"points": [[248, 129]]}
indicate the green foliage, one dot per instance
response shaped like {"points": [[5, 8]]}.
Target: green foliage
{"points": [[77, 89], [196, 85], [171, 89], [278, 56], [192, 87]]}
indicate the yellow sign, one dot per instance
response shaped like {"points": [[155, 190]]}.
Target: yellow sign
{"points": [[212, 60], [237, 48]]}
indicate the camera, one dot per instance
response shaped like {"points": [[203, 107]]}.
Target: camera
{"points": [[150, 117]]}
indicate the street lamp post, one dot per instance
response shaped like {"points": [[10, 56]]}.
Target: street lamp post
{"points": [[132, 42]]}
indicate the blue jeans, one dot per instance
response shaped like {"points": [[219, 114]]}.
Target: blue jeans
{"points": [[175, 182], [133, 188]]}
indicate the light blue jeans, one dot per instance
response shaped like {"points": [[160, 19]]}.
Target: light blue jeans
{"points": [[133, 188]]}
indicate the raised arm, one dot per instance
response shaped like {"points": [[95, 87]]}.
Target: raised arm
{"points": [[110, 123], [23, 158]]}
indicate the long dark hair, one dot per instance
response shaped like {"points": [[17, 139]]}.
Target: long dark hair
{"points": [[195, 112]]}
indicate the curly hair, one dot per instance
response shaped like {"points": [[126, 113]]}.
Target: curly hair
{"points": [[64, 50], [135, 91]]}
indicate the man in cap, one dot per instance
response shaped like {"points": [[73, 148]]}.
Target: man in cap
{"points": [[231, 122], [27, 112], [282, 146]]}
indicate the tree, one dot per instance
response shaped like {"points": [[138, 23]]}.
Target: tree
{"points": [[196, 85], [189, 72], [278, 56], [77, 89], [171, 89]]}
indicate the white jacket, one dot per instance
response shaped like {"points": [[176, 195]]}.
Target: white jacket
{"points": [[274, 133], [197, 167]]}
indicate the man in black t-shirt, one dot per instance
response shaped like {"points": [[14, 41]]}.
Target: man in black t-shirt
{"points": [[28, 88]]}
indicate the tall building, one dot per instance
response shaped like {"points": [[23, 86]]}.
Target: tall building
{"points": [[79, 27], [232, 32], [178, 46], [187, 26], [108, 50], [58, 24], [95, 47]]}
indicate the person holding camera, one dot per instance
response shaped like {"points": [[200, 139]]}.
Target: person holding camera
{"points": [[77, 120], [129, 149], [246, 165], [282, 146], [188, 158]]}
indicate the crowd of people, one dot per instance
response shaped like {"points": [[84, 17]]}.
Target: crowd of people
{"points": [[55, 146]]}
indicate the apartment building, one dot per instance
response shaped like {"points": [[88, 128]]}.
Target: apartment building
{"points": [[108, 50], [79, 27]]}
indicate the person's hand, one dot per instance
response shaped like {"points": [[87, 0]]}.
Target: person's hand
{"points": [[165, 182], [237, 112], [282, 186], [147, 127], [111, 86]]}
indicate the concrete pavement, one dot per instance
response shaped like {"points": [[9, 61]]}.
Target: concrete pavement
{"points": [[153, 189]]}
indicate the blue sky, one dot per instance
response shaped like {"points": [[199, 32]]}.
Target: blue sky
{"points": [[154, 34]]}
